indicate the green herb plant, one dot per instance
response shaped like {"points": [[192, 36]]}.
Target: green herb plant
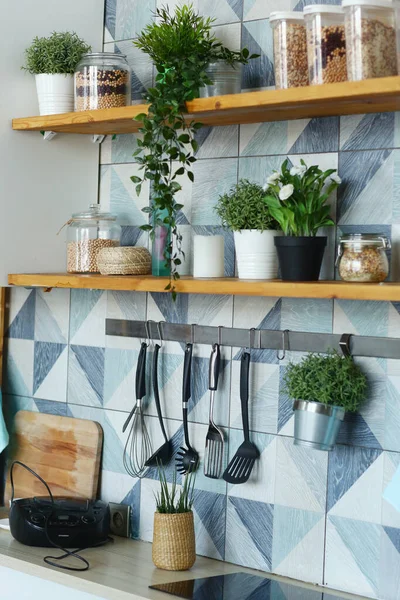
{"points": [[327, 378], [297, 198], [181, 47], [172, 501], [244, 207], [59, 53]]}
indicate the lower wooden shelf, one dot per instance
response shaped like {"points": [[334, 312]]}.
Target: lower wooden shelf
{"points": [[225, 286]]}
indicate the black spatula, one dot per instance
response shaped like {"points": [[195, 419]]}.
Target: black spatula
{"points": [[241, 465]]}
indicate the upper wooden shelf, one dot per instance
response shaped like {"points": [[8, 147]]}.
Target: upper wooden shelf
{"points": [[369, 96], [226, 286]]}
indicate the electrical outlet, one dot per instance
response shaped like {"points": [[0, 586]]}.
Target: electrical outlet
{"points": [[120, 519]]}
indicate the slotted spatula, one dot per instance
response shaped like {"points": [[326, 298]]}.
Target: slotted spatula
{"points": [[214, 452], [241, 465]]}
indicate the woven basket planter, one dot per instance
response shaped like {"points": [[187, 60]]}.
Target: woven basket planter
{"points": [[124, 260], [174, 547]]}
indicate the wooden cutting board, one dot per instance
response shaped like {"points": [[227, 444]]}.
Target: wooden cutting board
{"points": [[65, 452]]}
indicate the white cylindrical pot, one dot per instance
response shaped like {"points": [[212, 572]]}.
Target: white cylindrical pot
{"points": [[55, 93], [208, 256], [256, 254]]}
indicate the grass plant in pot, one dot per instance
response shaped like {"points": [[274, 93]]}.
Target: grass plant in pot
{"points": [[324, 387], [174, 546], [53, 60], [243, 210], [297, 198]]}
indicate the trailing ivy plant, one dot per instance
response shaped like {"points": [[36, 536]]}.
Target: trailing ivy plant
{"points": [[181, 47], [58, 53]]}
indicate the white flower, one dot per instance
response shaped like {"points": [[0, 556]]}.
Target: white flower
{"points": [[298, 170], [336, 178], [266, 187], [273, 178], [286, 191]]}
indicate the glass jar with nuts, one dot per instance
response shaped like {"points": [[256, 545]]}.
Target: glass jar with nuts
{"points": [[326, 43], [102, 80], [290, 49], [362, 257], [88, 232]]}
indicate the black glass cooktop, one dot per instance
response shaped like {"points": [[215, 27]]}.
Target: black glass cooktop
{"points": [[239, 586]]}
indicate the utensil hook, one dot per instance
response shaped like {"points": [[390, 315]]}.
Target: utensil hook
{"points": [[160, 333], [220, 328], [192, 335], [147, 328], [252, 335], [285, 345], [344, 344]]}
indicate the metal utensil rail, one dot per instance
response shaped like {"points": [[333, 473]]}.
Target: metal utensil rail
{"points": [[381, 347]]}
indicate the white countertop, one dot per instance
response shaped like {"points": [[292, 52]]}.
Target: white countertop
{"points": [[119, 571]]}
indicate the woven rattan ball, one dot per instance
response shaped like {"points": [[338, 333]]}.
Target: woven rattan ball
{"points": [[125, 260]]}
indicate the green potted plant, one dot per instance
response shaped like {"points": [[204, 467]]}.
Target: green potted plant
{"points": [[297, 198], [53, 60], [174, 547], [181, 47], [243, 210], [324, 387]]}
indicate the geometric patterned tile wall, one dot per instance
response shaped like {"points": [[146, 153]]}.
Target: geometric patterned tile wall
{"points": [[303, 514]]}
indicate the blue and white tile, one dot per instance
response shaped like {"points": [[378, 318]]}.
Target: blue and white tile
{"points": [[52, 316], [119, 378], [352, 556], [311, 315], [173, 4], [301, 475], [209, 510], [290, 137], [132, 16], [224, 11], [355, 474], [392, 417], [259, 72], [364, 317], [368, 132], [217, 142], [213, 178], [389, 566], [21, 314], [298, 543], [118, 194], [149, 489], [390, 515], [109, 20], [125, 306], [86, 375], [140, 64], [19, 358], [13, 404], [88, 313], [229, 35], [117, 149], [366, 176], [50, 371], [260, 486], [249, 533]]}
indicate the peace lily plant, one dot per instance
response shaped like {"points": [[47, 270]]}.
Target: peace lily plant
{"points": [[297, 198]]}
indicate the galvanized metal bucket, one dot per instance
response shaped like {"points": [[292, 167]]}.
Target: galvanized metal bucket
{"points": [[316, 425]]}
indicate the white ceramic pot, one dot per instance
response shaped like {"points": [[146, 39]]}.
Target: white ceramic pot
{"points": [[256, 254], [55, 93]]}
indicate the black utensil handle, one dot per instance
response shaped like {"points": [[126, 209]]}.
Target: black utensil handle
{"points": [[186, 389], [214, 367], [156, 391], [141, 372], [244, 393]]}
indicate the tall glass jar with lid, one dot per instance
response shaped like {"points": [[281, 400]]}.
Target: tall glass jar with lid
{"points": [[88, 232], [362, 257], [102, 80]]}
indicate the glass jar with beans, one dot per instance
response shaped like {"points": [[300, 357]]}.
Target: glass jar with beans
{"points": [[326, 43], [290, 49], [102, 80], [89, 232], [362, 257]]}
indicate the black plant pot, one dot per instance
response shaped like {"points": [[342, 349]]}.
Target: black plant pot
{"points": [[300, 258]]}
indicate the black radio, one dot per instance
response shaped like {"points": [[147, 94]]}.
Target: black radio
{"points": [[65, 522]]}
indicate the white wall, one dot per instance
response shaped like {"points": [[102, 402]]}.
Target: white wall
{"points": [[41, 183]]}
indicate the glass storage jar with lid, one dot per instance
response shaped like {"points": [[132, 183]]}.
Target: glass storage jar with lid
{"points": [[290, 49], [88, 232], [371, 38], [102, 80], [362, 257]]}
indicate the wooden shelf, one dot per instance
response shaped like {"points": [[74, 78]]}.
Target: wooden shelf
{"points": [[228, 286], [369, 96]]}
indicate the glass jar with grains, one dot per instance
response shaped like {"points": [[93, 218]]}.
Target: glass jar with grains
{"points": [[290, 49], [371, 38], [102, 80], [362, 257], [326, 43], [88, 232]]}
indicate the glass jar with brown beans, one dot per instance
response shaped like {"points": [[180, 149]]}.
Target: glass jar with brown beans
{"points": [[290, 49]]}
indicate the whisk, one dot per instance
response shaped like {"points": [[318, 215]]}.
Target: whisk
{"points": [[138, 448]]}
